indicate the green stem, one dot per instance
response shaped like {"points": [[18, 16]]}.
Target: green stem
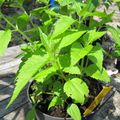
{"points": [[32, 24], [2, 26], [19, 38], [82, 64], [22, 33], [48, 93], [55, 63], [86, 64], [61, 73]]}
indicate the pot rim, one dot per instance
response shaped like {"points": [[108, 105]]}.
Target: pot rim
{"points": [[58, 118]]}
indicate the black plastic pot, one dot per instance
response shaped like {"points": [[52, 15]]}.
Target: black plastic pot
{"points": [[43, 116]]}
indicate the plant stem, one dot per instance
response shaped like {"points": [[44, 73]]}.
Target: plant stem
{"points": [[82, 64], [55, 63], [49, 93], [86, 64], [19, 38], [22, 33], [2, 26], [61, 73]]}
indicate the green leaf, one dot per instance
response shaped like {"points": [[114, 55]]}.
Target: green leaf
{"points": [[22, 21], [74, 112], [116, 0], [62, 25], [91, 36], [38, 11], [78, 52], [52, 13], [76, 89], [108, 18], [100, 14], [55, 101], [31, 114], [89, 7], [64, 60], [104, 20], [44, 74], [5, 37], [64, 2], [27, 70], [70, 37], [118, 3], [58, 91], [1, 2], [96, 56], [76, 7], [116, 54], [115, 34], [57, 88], [44, 1], [95, 73], [44, 39], [72, 70]]}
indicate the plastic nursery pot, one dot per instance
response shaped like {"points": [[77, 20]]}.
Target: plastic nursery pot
{"points": [[42, 116]]}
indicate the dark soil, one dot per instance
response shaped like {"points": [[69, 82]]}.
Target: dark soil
{"points": [[59, 111], [118, 65]]}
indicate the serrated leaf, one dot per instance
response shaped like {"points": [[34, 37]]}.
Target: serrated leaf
{"points": [[96, 56], [78, 52], [55, 101], [62, 25], [22, 21], [5, 37], [97, 74], [76, 89], [69, 38], [91, 36], [44, 74], [27, 70], [74, 112], [72, 70]]}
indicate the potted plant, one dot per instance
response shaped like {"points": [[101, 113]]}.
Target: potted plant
{"points": [[63, 56]]}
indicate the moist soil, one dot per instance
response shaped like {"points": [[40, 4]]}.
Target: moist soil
{"points": [[60, 111], [118, 65]]}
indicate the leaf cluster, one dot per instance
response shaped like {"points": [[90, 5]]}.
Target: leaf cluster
{"points": [[63, 48]]}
